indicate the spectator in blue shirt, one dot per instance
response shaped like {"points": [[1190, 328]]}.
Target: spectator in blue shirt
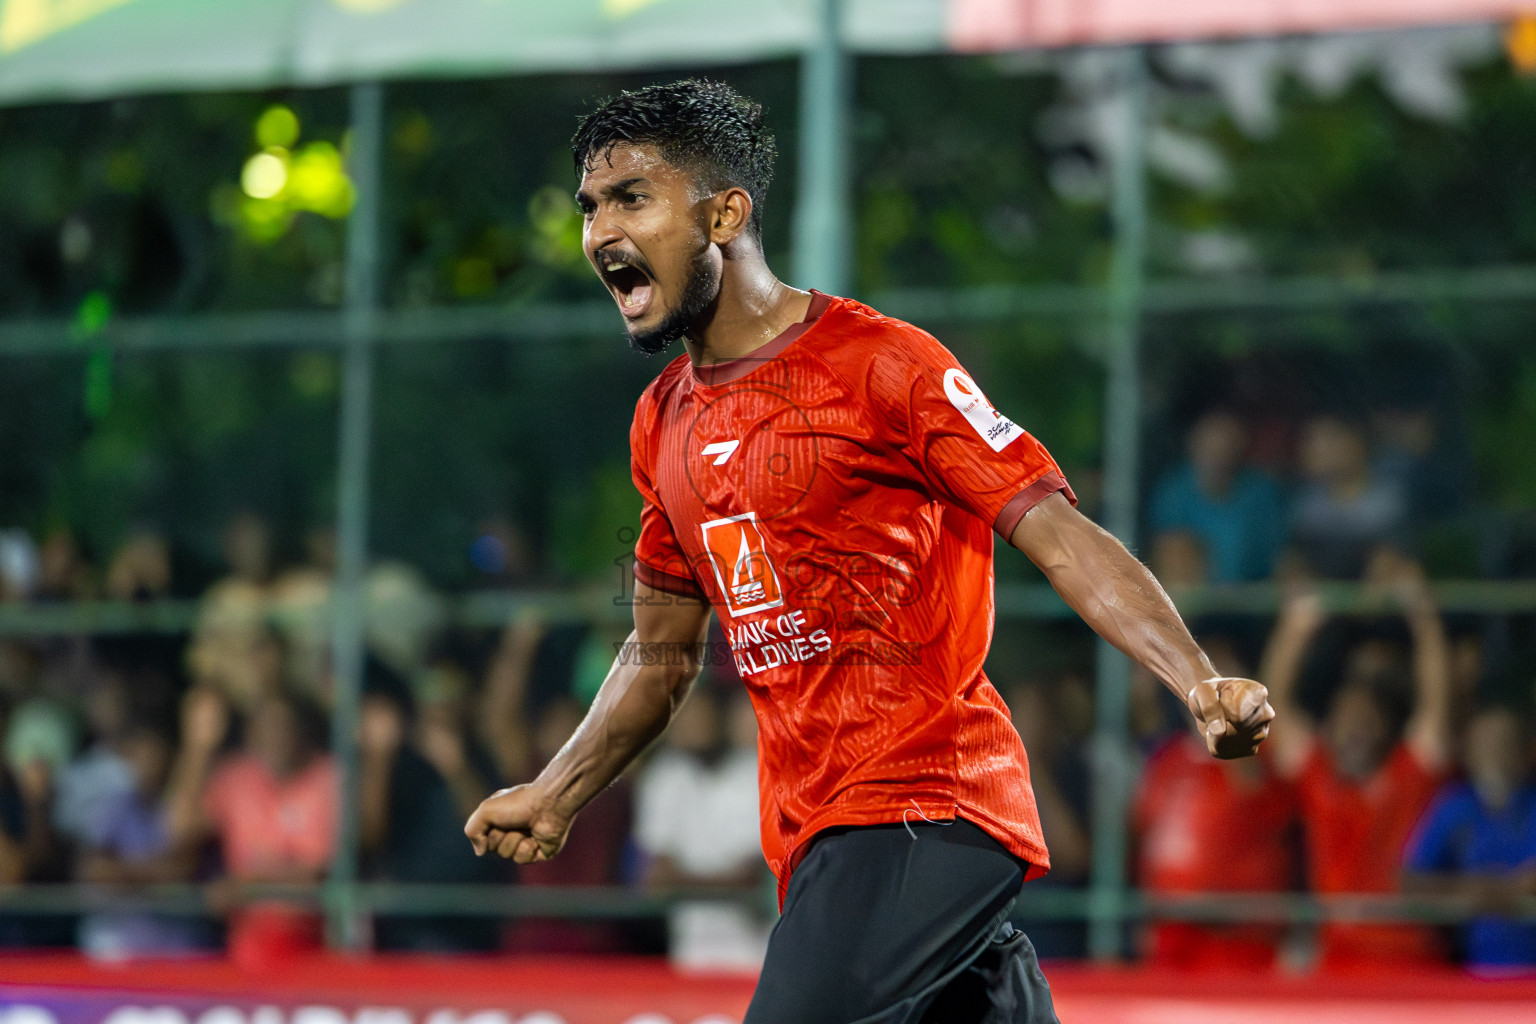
{"points": [[1478, 840], [1345, 510], [1214, 518]]}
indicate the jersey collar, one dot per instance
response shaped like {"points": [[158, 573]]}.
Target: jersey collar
{"points": [[734, 369]]}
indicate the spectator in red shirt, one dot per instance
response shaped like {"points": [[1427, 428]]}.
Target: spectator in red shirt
{"points": [[272, 807], [1367, 771], [1204, 825]]}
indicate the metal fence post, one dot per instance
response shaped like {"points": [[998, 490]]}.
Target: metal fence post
{"points": [[353, 444], [1122, 427], [821, 230]]}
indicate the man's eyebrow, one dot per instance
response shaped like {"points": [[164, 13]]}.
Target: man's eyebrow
{"points": [[621, 187], [618, 188]]}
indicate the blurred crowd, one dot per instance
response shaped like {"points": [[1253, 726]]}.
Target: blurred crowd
{"points": [[1401, 761], [131, 761], [1355, 486], [1387, 772], [1395, 766]]}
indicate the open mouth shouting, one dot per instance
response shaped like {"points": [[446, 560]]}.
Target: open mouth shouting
{"points": [[632, 287]]}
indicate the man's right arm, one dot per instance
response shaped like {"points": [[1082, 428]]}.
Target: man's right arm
{"points": [[644, 688]]}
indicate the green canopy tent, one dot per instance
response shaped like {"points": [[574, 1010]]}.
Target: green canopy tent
{"points": [[85, 49]]}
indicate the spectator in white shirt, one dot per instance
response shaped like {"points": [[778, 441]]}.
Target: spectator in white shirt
{"points": [[697, 823]]}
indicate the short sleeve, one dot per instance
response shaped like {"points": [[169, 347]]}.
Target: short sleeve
{"points": [[968, 452], [659, 559]]}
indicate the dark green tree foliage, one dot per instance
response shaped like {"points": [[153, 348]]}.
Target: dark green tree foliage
{"points": [[135, 206], [953, 184], [190, 439], [138, 200], [1354, 184]]}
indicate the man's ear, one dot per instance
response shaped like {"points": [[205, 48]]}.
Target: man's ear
{"points": [[730, 216]]}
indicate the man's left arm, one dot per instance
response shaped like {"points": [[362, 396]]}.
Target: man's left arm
{"points": [[1121, 599]]}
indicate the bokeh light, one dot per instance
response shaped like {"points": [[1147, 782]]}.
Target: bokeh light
{"points": [[318, 181], [285, 179], [278, 125], [557, 226], [265, 174]]}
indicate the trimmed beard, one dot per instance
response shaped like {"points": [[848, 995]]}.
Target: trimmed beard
{"points": [[699, 295]]}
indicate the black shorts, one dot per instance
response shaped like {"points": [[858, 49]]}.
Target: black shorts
{"points": [[895, 924]]}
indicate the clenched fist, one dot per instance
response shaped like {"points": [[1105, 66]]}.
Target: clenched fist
{"points": [[519, 824], [1233, 715]]}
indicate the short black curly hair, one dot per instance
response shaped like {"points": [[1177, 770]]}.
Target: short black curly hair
{"points": [[702, 126]]}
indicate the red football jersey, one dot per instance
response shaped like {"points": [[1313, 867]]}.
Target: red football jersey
{"points": [[1211, 826], [833, 495], [1355, 834]]}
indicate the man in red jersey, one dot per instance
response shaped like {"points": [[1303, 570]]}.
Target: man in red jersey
{"points": [[1366, 772], [827, 479]]}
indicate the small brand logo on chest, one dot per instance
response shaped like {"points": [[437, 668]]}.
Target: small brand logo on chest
{"points": [[721, 450]]}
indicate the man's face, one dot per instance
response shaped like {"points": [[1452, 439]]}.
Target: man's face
{"points": [[1497, 756], [274, 737], [697, 729], [1358, 733], [647, 236], [1216, 444], [248, 547], [149, 756], [1333, 451]]}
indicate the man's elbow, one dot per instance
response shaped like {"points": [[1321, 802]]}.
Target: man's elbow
{"points": [[663, 682], [678, 681]]}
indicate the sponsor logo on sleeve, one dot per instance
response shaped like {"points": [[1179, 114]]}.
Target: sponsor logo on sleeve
{"points": [[995, 428]]}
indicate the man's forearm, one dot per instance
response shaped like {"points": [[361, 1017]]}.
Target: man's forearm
{"points": [[633, 708], [1431, 660], [1488, 891], [529, 823], [1429, 730], [466, 787], [1123, 602], [376, 774], [1280, 666]]}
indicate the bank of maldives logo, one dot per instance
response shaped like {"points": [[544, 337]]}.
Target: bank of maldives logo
{"points": [[740, 560]]}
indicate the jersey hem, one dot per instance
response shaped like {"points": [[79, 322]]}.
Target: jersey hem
{"points": [[1036, 857]]}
